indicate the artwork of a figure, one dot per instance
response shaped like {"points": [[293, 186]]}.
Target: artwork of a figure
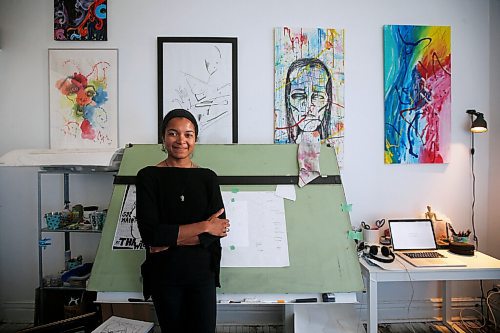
{"points": [[197, 77], [308, 100], [309, 87]]}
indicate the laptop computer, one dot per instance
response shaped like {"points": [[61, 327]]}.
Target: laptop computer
{"points": [[413, 240]]}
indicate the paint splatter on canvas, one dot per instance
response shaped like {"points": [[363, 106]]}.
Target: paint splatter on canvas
{"points": [[80, 20], [309, 86], [83, 98], [417, 87]]}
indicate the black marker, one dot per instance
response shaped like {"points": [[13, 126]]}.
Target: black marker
{"points": [[306, 300]]}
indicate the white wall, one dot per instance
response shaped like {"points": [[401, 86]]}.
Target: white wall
{"points": [[375, 190], [494, 124]]}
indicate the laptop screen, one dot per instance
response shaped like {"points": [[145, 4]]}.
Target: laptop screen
{"points": [[415, 234]]}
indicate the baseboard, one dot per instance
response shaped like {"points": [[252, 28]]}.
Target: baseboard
{"points": [[18, 312], [421, 310], [389, 311]]}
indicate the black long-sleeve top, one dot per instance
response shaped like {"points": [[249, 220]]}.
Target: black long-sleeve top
{"points": [[168, 197]]}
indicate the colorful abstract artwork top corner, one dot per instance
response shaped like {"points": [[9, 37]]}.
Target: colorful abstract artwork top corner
{"points": [[417, 94], [80, 20]]}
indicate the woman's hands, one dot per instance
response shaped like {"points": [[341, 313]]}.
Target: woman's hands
{"points": [[156, 249], [188, 233], [216, 226]]}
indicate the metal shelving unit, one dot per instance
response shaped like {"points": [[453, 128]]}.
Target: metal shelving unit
{"points": [[66, 173]]}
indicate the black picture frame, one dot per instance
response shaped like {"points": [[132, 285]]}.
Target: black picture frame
{"points": [[183, 83]]}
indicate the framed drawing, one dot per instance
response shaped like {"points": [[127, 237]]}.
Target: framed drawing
{"points": [[83, 87], [199, 74]]}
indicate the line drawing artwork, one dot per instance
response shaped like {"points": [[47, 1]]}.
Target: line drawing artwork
{"points": [[127, 236], [124, 325], [198, 77], [309, 87], [83, 98], [417, 88]]}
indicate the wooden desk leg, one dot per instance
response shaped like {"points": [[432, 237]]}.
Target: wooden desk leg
{"points": [[372, 325], [446, 310]]}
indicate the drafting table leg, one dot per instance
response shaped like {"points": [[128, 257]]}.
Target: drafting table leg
{"points": [[372, 291], [446, 309], [288, 322]]}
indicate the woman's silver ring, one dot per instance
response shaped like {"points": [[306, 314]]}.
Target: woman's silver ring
{"points": [[227, 229]]}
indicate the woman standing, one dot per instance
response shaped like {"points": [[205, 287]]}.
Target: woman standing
{"points": [[181, 218]]}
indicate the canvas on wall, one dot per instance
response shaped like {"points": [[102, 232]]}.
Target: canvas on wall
{"points": [[309, 86], [80, 20], [83, 87], [199, 74], [417, 88]]}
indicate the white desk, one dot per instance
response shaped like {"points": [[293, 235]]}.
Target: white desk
{"points": [[479, 267]]}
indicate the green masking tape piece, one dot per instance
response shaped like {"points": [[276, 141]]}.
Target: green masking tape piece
{"points": [[232, 200], [351, 234], [235, 190], [346, 207], [232, 248]]}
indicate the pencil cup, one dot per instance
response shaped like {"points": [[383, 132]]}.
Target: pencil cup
{"points": [[371, 236]]}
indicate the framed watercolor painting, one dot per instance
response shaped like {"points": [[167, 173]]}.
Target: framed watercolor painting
{"points": [[83, 88], [199, 74]]}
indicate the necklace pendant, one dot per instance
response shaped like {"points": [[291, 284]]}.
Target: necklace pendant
{"points": [[182, 198]]}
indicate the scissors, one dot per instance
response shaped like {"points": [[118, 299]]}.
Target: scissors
{"points": [[379, 223], [365, 225]]}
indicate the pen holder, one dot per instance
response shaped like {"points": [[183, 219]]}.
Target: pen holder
{"points": [[371, 236], [459, 239]]}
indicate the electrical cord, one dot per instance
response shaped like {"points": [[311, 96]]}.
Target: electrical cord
{"points": [[488, 305], [472, 151], [470, 327], [399, 260]]}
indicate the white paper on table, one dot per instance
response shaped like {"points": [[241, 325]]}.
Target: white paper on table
{"points": [[286, 191], [266, 226]]}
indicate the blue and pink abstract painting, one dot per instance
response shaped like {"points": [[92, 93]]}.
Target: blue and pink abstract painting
{"points": [[417, 88], [309, 86]]}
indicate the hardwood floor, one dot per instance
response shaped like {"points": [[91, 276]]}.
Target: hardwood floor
{"points": [[382, 328]]}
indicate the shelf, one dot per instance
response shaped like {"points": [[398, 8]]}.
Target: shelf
{"points": [[64, 288], [71, 230], [51, 296]]}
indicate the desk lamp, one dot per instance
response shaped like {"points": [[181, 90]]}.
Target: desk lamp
{"points": [[478, 125]]}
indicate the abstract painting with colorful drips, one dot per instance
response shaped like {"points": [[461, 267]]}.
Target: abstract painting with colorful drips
{"points": [[80, 20], [417, 88], [309, 86], [83, 98]]}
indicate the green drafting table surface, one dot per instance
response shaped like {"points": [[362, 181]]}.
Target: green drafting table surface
{"points": [[322, 258]]}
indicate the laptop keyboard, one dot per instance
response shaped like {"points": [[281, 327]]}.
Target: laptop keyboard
{"points": [[426, 254]]}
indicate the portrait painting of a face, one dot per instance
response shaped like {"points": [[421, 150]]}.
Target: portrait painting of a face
{"points": [[309, 87]]}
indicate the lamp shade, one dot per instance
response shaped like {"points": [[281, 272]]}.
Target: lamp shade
{"points": [[479, 125]]}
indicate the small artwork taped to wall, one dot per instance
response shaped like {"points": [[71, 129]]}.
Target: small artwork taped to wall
{"points": [[417, 88], [80, 20]]}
